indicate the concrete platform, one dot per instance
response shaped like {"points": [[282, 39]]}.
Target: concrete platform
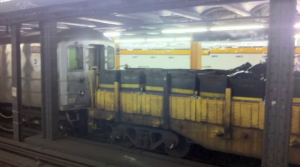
{"points": [[110, 155]]}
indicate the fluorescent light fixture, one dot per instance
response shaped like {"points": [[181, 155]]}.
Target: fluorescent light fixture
{"points": [[32, 25], [100, 21], [131, 40], [26, 28], [160, 40], [61, 27], [129, 34], [111, 34], [185, 30], [242, 27], [77, 24], [297, 25], [183, 39], [153, 33]]}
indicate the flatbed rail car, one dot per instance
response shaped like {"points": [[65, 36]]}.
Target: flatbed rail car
{"points": [[176, 108]]}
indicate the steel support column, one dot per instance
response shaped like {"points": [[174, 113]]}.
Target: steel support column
{"points": [[279, 87], [49, 79], [16, 81]]}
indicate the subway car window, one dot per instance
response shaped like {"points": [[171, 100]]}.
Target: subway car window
{"points": [[92, 57], [110, 57], [75, 58]]}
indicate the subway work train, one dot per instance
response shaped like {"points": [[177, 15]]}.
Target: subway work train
{"points": [[149, 108]]}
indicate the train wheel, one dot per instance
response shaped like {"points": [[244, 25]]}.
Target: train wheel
{"points": [[125, 142], [180, 151]]}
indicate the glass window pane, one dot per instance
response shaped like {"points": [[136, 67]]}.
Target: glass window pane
{"points": [[110, 57], [76, 58]]}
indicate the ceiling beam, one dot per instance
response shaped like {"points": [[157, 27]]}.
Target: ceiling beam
{"points": [[104, 7], [186, 14], [235, 8]]}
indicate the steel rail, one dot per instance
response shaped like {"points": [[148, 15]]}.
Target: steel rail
{"points": [[40, 156]]}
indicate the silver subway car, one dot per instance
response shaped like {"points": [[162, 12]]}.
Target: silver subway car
{"points": [[77, 51]]}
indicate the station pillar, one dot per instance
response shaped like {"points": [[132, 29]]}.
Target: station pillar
{"points": [[196, 55], [50, 110], [16, 81], [279, 86]]}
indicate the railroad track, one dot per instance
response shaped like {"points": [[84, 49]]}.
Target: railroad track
{"points": [[41, 158]]}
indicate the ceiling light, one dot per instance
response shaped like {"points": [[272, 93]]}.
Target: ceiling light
{"points": [[160, 40], [131, 40], [26, 28], [153, 33], [100, 21], [184, 39], [242, 27], [111, 34], [186, 30], [77, 24], [297, 25], [129, 34]]}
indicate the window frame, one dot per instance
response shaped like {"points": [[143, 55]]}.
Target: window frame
{"points": [[68, 56]]}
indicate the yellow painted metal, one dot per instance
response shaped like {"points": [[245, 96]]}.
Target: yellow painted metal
{"points": [[256, 50], [91, 72], [117, 57], [117, 99], [296, 100], [183, 108], [106, 86], [183, 91], [216, 95], [227, 114], [105, 100], [196, 55], [154, 88], [147, 107], [247, 99], [248, 114], [130, 85], [160, 52]]}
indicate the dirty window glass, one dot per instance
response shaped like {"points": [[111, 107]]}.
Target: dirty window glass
{"points": [[110, 57], [76, 58]]}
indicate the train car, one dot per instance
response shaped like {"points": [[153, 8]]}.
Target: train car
{"points": [[173, 109], [78, 50]]}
